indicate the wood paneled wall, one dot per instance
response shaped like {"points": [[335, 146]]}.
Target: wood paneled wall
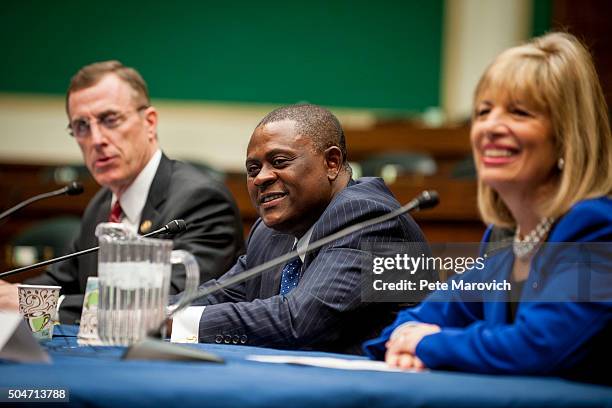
{"points": [[454, 220]]}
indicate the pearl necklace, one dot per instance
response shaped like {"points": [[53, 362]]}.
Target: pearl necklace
{"points": [[524, 247]]}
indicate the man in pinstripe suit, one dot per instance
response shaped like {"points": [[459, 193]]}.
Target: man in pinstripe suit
{"points": [[300, 183]]}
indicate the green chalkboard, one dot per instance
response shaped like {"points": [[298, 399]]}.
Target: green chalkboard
{"points": [[541, 17], [373, 54]]}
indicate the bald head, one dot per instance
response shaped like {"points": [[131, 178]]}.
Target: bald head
{"points": [[314, 122]]}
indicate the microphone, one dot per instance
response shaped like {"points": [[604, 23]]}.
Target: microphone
{"points": [[427, 199], [173, 227], [74, 188]]}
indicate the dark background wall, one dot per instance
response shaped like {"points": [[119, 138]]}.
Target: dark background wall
{"points": [[590, 21], [384, 54]]}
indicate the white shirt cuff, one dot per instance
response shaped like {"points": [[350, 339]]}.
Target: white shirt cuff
{"points": [[186, 325]]}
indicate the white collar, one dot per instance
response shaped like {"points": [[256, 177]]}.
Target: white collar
{"points": [[134, 197], [302, 243]]}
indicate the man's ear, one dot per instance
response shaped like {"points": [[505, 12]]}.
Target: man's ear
{"points": [[334, 161], [150, 115]]}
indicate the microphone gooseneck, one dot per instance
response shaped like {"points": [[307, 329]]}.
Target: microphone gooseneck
{"points": [[427, 199], [73, 188], [173, 227]]}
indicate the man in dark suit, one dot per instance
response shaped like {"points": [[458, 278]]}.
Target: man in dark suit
{"points": [[299, 181], [115, 126]]}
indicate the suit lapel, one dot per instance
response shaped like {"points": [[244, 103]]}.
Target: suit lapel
{"points": [[157, 195], [89, 263], [102, 216], [321, 229], [270, 282], [495, 305]]}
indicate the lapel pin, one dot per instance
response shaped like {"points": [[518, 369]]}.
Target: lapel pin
{"points": [[145, 226]]}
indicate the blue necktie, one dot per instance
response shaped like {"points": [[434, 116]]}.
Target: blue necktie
{"points": [[290, 276]]}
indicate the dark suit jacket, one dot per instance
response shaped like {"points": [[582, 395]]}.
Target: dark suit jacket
{"points": [[325, 310], [213, 235]]}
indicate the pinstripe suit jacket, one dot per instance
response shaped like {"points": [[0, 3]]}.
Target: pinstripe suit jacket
{"points": [[325, 311]]}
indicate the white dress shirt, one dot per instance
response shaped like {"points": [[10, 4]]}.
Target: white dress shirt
{"points": [[186, 323], [134, 197]]}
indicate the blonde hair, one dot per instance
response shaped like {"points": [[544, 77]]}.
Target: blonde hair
{"points": [[555, 74]]}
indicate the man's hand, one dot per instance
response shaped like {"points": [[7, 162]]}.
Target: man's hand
{"points": [[9, 297], [401, 347]]}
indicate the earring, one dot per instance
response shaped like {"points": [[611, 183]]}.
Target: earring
{"points": [[560, 163]]}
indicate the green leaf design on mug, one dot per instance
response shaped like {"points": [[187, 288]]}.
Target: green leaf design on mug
{"points": [[37, 320], [92, 299]]}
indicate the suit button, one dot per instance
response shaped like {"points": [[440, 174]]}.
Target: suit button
{"points": [[227, 339], [535, 285], [218, 339], [243, 339], [235, 339]]}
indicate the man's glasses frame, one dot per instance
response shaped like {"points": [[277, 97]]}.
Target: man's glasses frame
{"points": [[81, 128]]}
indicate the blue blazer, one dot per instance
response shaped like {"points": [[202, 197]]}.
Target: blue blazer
{"points": [[325, 310], [555, 332]]}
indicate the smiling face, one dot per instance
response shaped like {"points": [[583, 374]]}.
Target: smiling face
{"points": [[289, 182], [122, 136], [513, 145]]}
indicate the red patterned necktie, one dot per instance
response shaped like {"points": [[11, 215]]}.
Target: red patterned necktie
{"points": [[115, 214]]}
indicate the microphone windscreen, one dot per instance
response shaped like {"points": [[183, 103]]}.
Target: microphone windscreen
{"points": [[74, 188], [428, 199], [175, 226]]}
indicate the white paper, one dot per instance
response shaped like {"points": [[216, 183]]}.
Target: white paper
{"points": [[328, 362], [8, 323], [17, 342]]}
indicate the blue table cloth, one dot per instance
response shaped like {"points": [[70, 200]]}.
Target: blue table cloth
{"points": [[96, 376]]}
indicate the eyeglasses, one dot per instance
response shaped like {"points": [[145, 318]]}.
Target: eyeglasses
{"points": [[81, 128]]}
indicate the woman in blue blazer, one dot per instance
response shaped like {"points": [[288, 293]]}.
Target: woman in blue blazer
{"points": [[543, 151]]}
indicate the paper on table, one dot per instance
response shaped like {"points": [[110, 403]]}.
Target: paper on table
{"points": [[328, 362], [17, 342]]}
